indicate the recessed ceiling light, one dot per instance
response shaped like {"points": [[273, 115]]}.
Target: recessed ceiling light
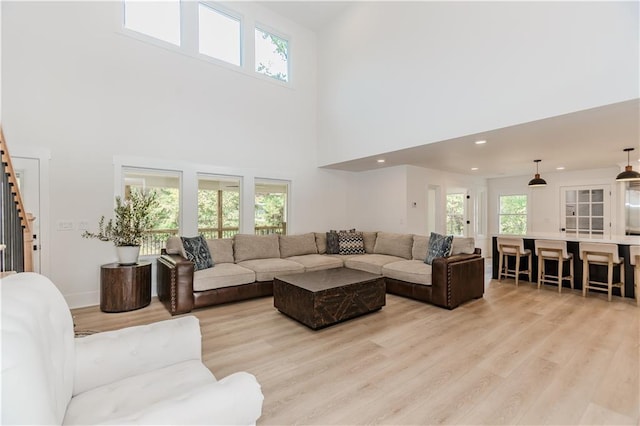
{"points": [[481, 142], [381, 160], [560, 168], [474, 168]]}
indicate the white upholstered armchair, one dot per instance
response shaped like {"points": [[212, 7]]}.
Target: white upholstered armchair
{"points": [[150, 374]]}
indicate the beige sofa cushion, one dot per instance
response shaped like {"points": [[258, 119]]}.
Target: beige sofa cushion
{"points": [[321, 242], [297, 245], [420, 247], [247, 247], [372, 263], [222, 275], [221, 250], [174, 246], [369, 241], [463, 245], [391, 244], [317, 262], [266, 269], [413, 271]]}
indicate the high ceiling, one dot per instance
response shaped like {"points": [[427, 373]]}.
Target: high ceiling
{"points": [[582, 140]]}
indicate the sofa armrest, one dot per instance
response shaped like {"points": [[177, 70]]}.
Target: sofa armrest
{"points": [[175, 283], [235, 400], [457, 279], [104, 358]]}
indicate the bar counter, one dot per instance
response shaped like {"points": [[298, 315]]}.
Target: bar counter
{"points": [[573, 244]]}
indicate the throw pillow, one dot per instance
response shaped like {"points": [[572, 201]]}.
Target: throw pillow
{"points": [[439, 246], [351, 242], [333, 245], [197, 251]]}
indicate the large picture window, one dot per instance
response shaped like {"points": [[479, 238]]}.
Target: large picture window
{"points": [[513, 214], [166, 215], [271, 207], [218, 206]]}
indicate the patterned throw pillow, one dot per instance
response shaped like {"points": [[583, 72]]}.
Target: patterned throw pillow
{"points": [[439, 246], [351, 242], [197, 251], [333, 245]]}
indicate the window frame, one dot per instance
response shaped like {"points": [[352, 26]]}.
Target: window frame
{"points": [[287, 205], [525, 214], [147, 38], [124, 169], [240, 181], [232, 15], [270, 30], [462, 215]]}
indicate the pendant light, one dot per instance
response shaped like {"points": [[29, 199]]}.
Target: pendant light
{"points": [[628, 173], [537, 180]]}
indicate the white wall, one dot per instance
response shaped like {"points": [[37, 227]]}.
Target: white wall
{"points": [[89, 95], [544, 202], [394, 75], [383, 199]]}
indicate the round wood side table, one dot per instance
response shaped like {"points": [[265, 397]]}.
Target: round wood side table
{"points": [[125, 287]]}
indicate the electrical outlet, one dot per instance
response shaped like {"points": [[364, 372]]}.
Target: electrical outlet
{"points": [[65, 225]]}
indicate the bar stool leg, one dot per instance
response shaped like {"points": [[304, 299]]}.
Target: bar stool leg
{"points": [[500, 261], [540, 270], [560, 274], [585, 277], [530, 257], [517, 268], [622, 278], [571, 275], [609, 280]]}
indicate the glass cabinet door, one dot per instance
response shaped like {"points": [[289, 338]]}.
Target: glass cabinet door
{"points": [[585, 212]]}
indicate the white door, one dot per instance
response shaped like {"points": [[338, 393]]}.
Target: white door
{"points": [[585, 211], [28, 174]]}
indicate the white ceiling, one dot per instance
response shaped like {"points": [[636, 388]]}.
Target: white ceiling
{"points": [[582, 140]]}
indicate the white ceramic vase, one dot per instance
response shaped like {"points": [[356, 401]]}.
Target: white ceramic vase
{"points": [[128, 255]]}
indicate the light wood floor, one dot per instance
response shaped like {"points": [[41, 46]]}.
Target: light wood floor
{"points": [[517, 356]]}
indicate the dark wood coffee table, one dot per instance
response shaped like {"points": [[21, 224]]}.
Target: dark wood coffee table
{"points": [[321, 298]]}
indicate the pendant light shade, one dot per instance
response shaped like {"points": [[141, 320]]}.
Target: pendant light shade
{"points": [[628, 174], [537, 180]]}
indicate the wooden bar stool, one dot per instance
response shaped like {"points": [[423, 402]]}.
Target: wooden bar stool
{"points": [[512, 247], [556, 251], [603, 254], [634, 254]]}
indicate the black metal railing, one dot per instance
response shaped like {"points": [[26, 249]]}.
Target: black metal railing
{"points": [[12, 230], [156, 239]]}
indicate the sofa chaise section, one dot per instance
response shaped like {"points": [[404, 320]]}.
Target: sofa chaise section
{"points": [[447, 282]]}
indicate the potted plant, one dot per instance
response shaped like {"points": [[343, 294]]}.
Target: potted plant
{"points": [[132, 219]]}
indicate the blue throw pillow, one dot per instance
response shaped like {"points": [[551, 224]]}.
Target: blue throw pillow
{"points": [[439, 246], [197, 251]]}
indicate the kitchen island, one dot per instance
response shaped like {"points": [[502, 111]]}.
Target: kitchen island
{"points": [[573, 244]]}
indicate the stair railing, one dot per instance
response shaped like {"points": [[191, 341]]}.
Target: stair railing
{"points": [[15, 230]]}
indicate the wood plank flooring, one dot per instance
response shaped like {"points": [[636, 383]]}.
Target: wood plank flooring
{"points": [[517, 356]]}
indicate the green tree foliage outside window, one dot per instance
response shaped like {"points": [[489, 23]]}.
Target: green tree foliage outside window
{"points": [[513, 214], [272, 55], [270, 209], [455, 214]]}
